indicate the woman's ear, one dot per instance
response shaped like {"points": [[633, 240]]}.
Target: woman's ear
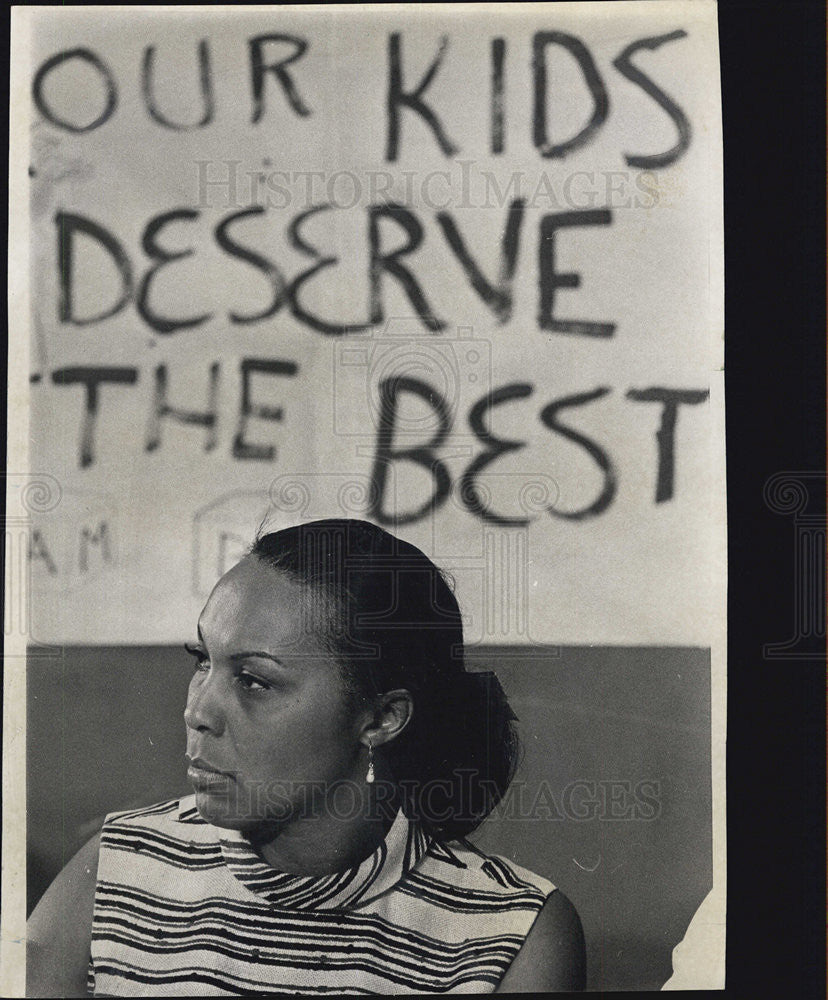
{"points": [[393, 713]]}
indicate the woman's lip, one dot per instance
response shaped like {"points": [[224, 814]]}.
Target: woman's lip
{"points": [[203, 765], [203, 776]]}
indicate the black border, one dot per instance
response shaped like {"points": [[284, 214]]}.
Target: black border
{"points": [[773, 84]]}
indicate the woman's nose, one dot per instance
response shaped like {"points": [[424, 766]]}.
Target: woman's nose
{"points": [[204, 712]]}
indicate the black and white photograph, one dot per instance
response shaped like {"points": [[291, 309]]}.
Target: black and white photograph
{"points": [[366, 533]]}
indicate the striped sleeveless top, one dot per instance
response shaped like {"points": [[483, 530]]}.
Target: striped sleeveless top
{"points": [[183, 908]]}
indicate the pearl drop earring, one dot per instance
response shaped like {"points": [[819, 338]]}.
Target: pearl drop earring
{"points": [[369, 777]]}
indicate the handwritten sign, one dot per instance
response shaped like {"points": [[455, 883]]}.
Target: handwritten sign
{"points": [[457, 275]]}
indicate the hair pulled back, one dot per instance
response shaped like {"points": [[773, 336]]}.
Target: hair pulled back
{"points": [[390, 617]]}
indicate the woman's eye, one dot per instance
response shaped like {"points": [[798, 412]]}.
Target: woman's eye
{"points": [[201, 661], [251, 683]]}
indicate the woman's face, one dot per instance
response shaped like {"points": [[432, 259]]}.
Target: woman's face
{"points": [[268, 718]]}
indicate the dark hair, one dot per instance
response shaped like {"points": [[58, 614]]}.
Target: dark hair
{"points": [[390, 617]]}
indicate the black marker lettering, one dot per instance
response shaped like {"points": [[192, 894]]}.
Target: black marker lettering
{"points": [[259, 68], [624, 64], [551, 280], [161, 408], [390, 263], [398, 97], [600, 98], [92, 378], [495, 447], [549, 415], [164, 324], [423, 455], [242, 448], [262, 264], [497, 297], [67, 226], [498, 59], [94, 536], [38, 549], [205, 81], [299, 311], [87, 56], [670, 400]]}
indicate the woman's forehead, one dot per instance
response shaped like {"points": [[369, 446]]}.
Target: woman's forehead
{"points": [[254, 603]]}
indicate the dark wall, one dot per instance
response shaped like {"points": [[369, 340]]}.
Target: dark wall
{"points": [[612, 801]]}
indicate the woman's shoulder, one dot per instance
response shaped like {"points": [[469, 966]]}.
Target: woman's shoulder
{"points": [[553, 956], [176, 818], [59, 931], [468, 870], [177, 810]]}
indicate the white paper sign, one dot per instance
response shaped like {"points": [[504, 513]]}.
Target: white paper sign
{"points": [[464, 282]]}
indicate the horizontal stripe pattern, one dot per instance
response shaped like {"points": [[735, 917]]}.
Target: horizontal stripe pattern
{"points": [[145, 840], [461, 900], [185, 909]]}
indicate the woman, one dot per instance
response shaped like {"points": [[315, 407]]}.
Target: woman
{"points": [[339, 754]]}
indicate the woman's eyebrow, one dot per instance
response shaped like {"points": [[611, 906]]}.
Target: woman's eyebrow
{"points": [[235, 657]]}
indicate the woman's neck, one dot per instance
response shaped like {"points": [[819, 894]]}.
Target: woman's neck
{"points": [[325, 841]]}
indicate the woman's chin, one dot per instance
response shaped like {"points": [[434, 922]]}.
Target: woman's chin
{"points": [[222, 812]]}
